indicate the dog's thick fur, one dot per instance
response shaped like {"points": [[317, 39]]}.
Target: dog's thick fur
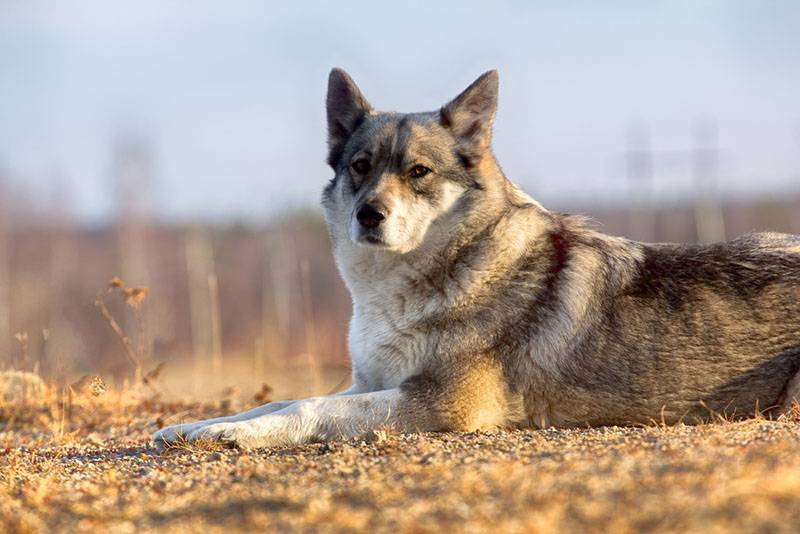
{"points": [[474, 306]]}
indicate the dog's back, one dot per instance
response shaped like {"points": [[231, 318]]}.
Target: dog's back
{"points": [[689, 331]]}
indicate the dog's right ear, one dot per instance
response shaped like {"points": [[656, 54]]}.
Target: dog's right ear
{"points": [[347, 107]]}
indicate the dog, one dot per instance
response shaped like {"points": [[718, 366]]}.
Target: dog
{"points": [[475, 307]]}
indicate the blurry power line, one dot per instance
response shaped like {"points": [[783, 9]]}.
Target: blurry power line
{"points": [[641, 164]]}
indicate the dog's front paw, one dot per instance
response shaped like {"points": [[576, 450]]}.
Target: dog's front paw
{"points": [[173, 435], [236, 435]]}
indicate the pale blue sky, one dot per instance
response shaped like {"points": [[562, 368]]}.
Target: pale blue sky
{"points": [[232, 93]]}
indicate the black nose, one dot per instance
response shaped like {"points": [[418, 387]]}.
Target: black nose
{"points": [[370, 215]]}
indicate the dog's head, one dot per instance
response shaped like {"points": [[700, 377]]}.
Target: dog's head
{"points": [[397, 176]]}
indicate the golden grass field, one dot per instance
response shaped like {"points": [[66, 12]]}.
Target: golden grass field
{"points": [[82, 462]]}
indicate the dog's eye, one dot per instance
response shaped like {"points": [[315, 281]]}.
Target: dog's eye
{"points": [[361, 166], [418, 171]]}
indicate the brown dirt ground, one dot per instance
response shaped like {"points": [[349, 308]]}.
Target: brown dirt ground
{"points": [[92, 469]]}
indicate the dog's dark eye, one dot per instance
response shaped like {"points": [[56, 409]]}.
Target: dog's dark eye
{"points": [[361, 166], [418, 171]]}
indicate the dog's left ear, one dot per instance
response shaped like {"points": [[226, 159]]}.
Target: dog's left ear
{"points": [[471, 114], [346, 109]]}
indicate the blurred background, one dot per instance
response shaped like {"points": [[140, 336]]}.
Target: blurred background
{"points": [[180, 146]]}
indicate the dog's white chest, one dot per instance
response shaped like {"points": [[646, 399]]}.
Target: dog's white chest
{"points": [[384, 354]]}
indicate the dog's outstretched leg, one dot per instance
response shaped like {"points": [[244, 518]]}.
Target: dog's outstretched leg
{"points": [[468, 399], [181, 432], [314, 419]]}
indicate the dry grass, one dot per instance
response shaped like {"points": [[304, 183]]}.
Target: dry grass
{"points": [[89, 467]]}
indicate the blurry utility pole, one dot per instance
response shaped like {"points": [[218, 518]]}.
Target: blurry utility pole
{"points": [[639, 167], [310, 328], [269, 290], [5, 289], [132, 181], [795, 209], [282, 266], [65, 266], [132, 177], [216, 326], [709, 219], [202, 281]]}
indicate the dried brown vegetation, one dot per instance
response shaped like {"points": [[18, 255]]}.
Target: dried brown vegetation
{"points": [[185, 295], [89, 467]]}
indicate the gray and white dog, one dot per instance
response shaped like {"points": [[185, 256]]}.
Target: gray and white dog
{"points": [[473, 306]]}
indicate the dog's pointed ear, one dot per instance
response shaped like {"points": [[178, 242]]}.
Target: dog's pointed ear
{"points": [[346, 109], [470, 115]]}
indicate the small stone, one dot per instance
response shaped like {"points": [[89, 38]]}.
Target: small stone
{"points": [[375, 436], [94, 439], [427, 459]]}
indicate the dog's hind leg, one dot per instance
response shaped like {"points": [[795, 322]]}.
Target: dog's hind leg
{"points": [[791, 395]]}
